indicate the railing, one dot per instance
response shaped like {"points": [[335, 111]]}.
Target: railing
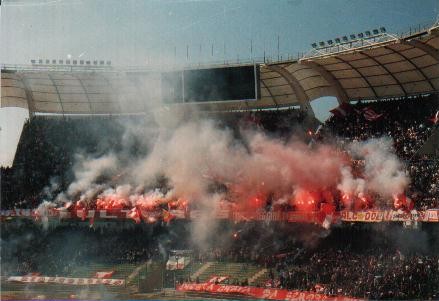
{"points": [[414, 30], [153, 68]]}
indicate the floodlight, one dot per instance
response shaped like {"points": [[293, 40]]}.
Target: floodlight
{"points": [[360, 35], [353, 37], [367, 32], [329, 42], [337, 40], [383, 29], [345, 38], [375, 31], [314, 45], [321, 44]]}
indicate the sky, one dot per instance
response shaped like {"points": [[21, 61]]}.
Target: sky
{"points": [[153, 33]]}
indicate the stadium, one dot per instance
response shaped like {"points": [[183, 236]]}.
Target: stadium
{"points": [[217, 181]]}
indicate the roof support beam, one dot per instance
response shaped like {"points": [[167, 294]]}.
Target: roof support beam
{"points": [[431, 51], [387, 70], [269, 92], [85, 92], [414, 65], [29, 95], [361, 75], [296, 87], [57, 91], [335, 84]]}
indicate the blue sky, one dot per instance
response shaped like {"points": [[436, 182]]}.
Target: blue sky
{"points": [[156, 32], [133, 32]]}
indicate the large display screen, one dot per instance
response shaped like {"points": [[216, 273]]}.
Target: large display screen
{"points": [[211, 85]]}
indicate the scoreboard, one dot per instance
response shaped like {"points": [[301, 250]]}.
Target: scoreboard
{"points": [[211, 85]]}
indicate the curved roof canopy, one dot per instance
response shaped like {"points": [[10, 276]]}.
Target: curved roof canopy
{"points": [[394, 68]]}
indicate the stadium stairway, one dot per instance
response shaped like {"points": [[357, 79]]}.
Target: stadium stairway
{"points": [[259, 278], [201, 270], [133, 276]]}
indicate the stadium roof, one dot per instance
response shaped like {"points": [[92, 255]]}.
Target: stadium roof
{"points": [[393, 68]]}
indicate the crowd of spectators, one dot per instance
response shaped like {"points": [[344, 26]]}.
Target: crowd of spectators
{"points": [[409, 123], [405, 120], [48, 148], [27, 248], [280, 122], [424, 188], [363, 261], [373, 273]]}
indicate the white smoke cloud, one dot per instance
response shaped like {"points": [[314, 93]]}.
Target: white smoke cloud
{"points": [[383, 171], [192, 155], [196, 153], [349, 184], [87, 171]]}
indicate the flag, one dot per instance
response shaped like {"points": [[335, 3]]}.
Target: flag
{"points": [[319, 288], [342, 110], [217, 279], [167, 216], [135, 215], [401, 256], [370, 115], [435, 118], [34, 274], [104, 275]]}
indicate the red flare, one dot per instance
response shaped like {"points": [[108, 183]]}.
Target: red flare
{"points": [[401, 201]]}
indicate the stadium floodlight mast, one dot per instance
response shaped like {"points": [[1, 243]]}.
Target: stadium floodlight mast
{"points": [[368, 38], [68, 64], [68, 61]]}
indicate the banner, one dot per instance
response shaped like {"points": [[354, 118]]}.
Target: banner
{"points": [[104, 275], [217, 279], [66, 280], [318, 217], [260, 293], [372, 216], [259, 215], [177, 263], [17, 212]]}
